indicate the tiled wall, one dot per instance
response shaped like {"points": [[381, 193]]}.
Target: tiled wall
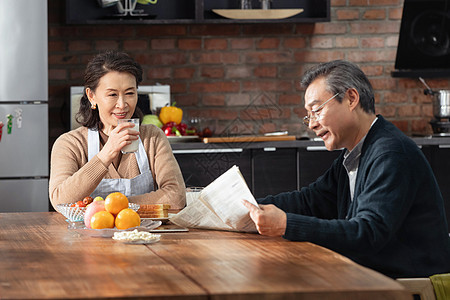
{"points": [[244, 78]]}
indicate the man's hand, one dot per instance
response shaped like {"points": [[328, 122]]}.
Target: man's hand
{"points": [[269, 219]]}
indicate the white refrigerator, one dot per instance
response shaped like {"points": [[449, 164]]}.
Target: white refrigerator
{"points": [[24, 153]]}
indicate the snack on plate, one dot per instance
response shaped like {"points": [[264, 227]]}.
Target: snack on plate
{"points": [[135, 235], [154, 210]]}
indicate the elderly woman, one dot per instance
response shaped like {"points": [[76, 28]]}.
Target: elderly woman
{"points": [[88, 160]]}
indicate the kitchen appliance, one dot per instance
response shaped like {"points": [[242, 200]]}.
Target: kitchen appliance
{"points": [[24, 152], [441, 110], [151, 99]]}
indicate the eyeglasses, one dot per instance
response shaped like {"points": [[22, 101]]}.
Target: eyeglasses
{"points": [[315, 115]]}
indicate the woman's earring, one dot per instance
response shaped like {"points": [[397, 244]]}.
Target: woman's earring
{"points": [[94, 106]]}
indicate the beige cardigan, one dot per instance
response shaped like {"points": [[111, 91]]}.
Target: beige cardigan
{"points": [[73, 177]]}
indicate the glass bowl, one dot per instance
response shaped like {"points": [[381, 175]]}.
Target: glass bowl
{"points": [[76, 214], [73, 214]]}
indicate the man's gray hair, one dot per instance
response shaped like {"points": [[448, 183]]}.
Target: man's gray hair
{"points": [[341, 75]]}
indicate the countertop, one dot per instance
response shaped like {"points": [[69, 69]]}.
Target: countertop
{"points": [[300, 143]]}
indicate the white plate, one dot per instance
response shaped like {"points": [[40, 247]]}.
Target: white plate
{"points": [[182, 139], [146, 225], [140, 242]]}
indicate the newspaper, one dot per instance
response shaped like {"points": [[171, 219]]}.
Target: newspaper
{"points": [[219, 205]]}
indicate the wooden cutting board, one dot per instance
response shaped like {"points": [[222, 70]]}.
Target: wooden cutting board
{"points": [[250, 138]]}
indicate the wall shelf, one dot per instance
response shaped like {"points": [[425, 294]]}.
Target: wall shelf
{"points": [[197, 12]]}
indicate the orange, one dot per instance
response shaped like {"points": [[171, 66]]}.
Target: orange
{"points": [[101, 220], [127, 218], [115, 202]]}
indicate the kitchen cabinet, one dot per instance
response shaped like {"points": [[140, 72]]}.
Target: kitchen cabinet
{"points": [[438, 159], [313, 162], [201, 166], [266, 170], [190, 12], [273, 171]]}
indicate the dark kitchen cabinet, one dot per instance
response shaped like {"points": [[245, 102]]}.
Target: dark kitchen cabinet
{"points": [[190, 12], [201, 166], [274, 171], [267, 171], [439, 158], [313, 162]]}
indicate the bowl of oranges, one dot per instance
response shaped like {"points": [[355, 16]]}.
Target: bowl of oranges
{"points": [[75, 212], [104, 217]]}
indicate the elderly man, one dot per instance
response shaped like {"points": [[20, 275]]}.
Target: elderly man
{"points": [[379, 203]]}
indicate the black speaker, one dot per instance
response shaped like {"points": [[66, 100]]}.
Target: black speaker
{"points": [[424, 41]]}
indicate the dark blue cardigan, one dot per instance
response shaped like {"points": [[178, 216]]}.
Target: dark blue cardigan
{"points": [[396, 223]]}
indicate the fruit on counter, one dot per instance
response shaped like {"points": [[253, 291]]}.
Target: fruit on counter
{"points": [[92, 209], [171, 114], [152, 119], [171, 129], [127, 218], [102, 220], [98, 198], [115, 202], [191, 131], [207, 132], [182, 127]]}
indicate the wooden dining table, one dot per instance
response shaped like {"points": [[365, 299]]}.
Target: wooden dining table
{"points": [[41, 258]]}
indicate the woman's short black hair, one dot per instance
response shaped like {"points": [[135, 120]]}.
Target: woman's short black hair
{"points": [[98, 67]]}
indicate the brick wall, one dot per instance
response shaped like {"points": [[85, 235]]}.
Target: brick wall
{"points": [[244, 78]]}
